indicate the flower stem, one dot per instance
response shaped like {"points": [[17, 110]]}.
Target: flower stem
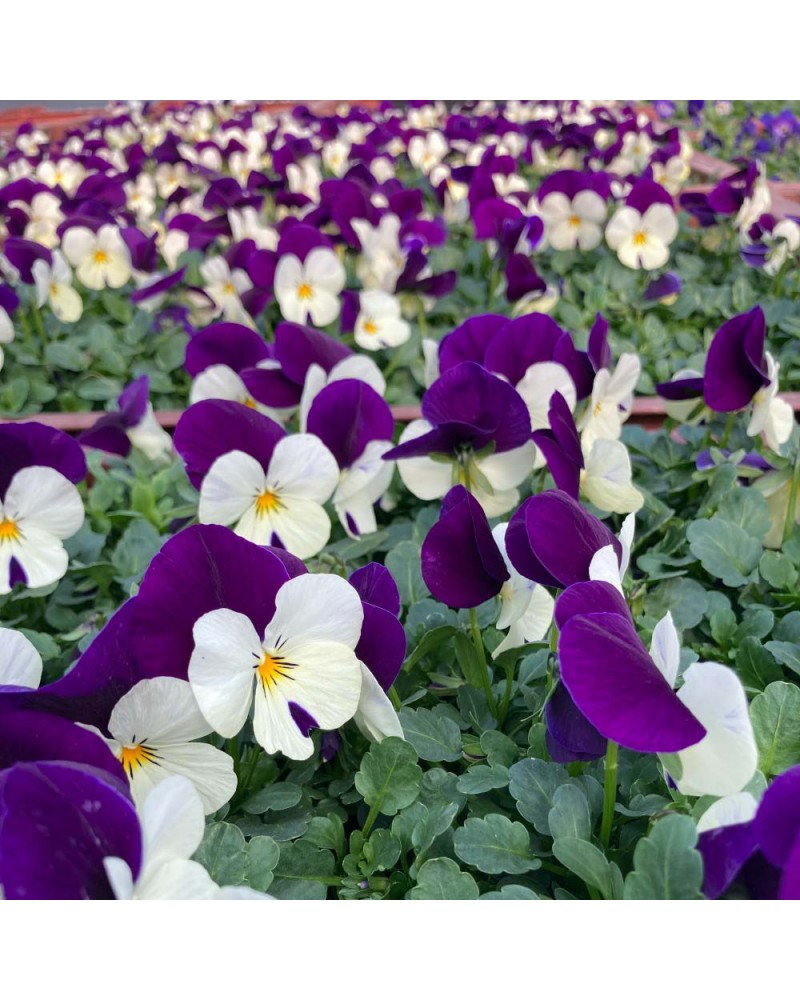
{"points": [[728, 429], [477, 640], [609, 792], [552, 656], [791, 510], [37, 322]]}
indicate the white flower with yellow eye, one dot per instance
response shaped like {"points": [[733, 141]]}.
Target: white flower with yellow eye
{"points": [[309, 290], [100, 259]]}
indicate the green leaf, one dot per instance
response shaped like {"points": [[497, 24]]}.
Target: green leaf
{"points": [[435, 737], [441, 878], [381, 851], [327, 832], [778, 570], [430, 641], [666, 864], [403, 562], [726, 551], [570, 816], [134, 551], [66, 355], [512, 892], [587, 862], [223, 854], [303, 872], [499, 748], [262, 857], [787, 653], [389, 776], [280, 796], [755, 665], [483, 778], [495, 844], [685, 598], [775, 714], [533, 786], [748, 509]]}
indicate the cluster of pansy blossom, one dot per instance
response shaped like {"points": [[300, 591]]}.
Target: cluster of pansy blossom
{"points": [[319, 218], [106, 774]]}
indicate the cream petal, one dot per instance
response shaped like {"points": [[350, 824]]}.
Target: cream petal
{"points": [[302, 467], [226, 652], [508, 469], [375, 715], [158, 710], [302, 526], [39, 497], [537, 387], [315, 607], [728, 811], [172, 821], [230, 488], [325, 271], [726, 758], [20, 662], [665, 648]]}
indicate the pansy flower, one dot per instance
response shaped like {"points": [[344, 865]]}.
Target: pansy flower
{"points": [[100, 259], [54, 287], [133, 425], [309, 289], [269, 485], [379, 324], [39, 504], [476, 427], [642, 230]]}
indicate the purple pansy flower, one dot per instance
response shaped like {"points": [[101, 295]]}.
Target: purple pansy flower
{"points": [[612, 678], [461, 562], [552, 539], [133, 425], [735, 365]]}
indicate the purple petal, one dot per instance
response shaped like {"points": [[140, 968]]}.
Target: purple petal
{"points": [[107, 434], [382, 646], [298, 347], [304, 721], [133, 401], [375, 585], [551, 539], [469, 341], [228, 344], [735, 367], [573, 736], [58, 821], [725, 851], [203, 568], [461, 563], [346, 415], [591, 598], [777, 822], [598, 349], [216, 426], [27, 444], [619, 689]]}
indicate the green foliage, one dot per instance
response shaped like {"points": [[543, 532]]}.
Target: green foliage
{"points": [[666, 864]]}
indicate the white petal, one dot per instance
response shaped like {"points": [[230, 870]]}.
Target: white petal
{"points": [[173, 822], [41, 555], [605, 568], [39, 497], [361, 368], [606, 480], [316, 607], [729, 811], [316, 380], [324, 270], [302, 526], [323, 307], [20, 662], [665, 648], [158, 710], [726, 758], [218, 382], [537, 386], [660, 221], [230, 487], [210, 771], [227, 649], [77, 244], [301, 466], [507, 469], [150, 437], [119, 874], [625, 536], [176, 879], [375, 716], [623, 224], [273, 726]]}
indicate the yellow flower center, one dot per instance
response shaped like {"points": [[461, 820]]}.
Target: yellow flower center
{"points": [[272, 668], [137, 756], [574, 221], [229, 288], [268, 502], [370, 327], [250, 403], [100, 257], [9, 532], [305, 291], [639, 239]]}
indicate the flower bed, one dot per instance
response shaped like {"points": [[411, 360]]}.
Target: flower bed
{"points": [[408, 606]]}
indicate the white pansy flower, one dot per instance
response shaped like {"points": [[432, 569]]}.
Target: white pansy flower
{"points": [[380, 323], [101, 259], [41, 507], [309, 290], [642, 240], [771, 416], [573, 223], [54, 286], [302, 672], [282, 506], [526, 608]]}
